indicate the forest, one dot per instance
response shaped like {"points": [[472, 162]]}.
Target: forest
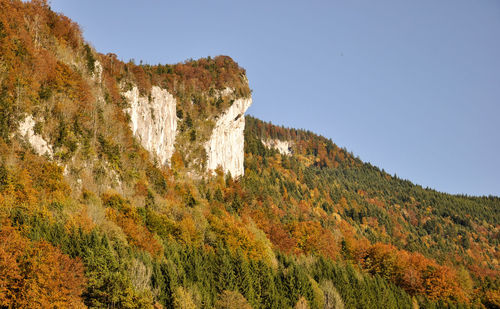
{"points": [[97, 223]]}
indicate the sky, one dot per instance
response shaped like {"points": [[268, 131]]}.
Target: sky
{"points": [[412, 87]]}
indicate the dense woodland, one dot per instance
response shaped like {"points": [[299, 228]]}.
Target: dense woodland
{"points": [[99, 224]]}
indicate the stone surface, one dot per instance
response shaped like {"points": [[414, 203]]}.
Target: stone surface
{"points": [[41, 147], [154, 122], [97, 75], [225, 146], [284, 147]]}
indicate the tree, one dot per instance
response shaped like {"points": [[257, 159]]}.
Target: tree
{"points": [[332, 297], [302, 304], [232, 299], [183, 299]]}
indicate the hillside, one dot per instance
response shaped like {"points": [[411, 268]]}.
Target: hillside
{"points": [[139, 186]]}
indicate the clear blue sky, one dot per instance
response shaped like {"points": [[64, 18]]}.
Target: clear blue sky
{"points": [[410, 86]]}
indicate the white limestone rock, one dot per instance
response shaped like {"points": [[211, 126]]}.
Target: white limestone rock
{"points": [[154, 122], [97, 75], [26, 129], [225, 92], [225, 147], [284, 147]]}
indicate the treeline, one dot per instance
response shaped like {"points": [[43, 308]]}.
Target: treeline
{"points": [[323, 150]]}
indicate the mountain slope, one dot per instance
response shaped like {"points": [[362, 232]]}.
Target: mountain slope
{"points": [[366, 205], [105, 189]]}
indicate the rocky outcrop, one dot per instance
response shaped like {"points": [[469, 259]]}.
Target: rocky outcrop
{"points": [[97, 74], [284, 147], [27, 130], [225, 146], [153, 121]]}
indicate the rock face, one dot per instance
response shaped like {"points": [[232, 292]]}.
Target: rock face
{"points": [[154, 122], [41, 147], [284, 147], [225, 147]]}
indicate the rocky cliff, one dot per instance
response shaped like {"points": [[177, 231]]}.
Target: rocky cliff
{"points": [[92, 112], [153, 121], [225, 147]]}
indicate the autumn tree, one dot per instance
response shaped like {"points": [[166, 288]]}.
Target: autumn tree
{"points": [[232, 299], [36, 274]]}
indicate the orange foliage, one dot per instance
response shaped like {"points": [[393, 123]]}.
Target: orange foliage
{"points": [[492, 298], [35, 180], [237, 236], [30, 34], [81, 220], [413, 272], [47, 177], [312, 238], [66, 30], [12, 246], [37, 275], [143, 82], [281, 238], [125, 216]]}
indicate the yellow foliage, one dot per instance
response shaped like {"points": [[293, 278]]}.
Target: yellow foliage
{"points": [[183, 299], [237, 236]]}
